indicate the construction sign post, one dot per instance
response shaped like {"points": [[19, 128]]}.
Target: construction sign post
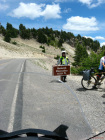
{"points": [[61, 70]]}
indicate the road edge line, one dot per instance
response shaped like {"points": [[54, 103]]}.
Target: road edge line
{"points": [[13, 107]]}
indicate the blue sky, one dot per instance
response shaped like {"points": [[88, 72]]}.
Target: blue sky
{"points": [[84, 17]]}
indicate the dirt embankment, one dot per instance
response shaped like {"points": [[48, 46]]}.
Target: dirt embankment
{"points": [[31, 49]]}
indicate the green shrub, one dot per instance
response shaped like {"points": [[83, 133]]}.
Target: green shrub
{"points": [[52, 43], [43, 50], [42, 47], [77, 70], [92, 61], [74, 70], [57, 57], [80, 69], [62, 49], [14, 42]]}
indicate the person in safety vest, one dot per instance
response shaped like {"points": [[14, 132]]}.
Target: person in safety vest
{"points": [[63, 60]]}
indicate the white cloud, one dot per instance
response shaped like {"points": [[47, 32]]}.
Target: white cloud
{"points": [[33, 10], [3, 7], [52, 11], [102, 44], [96, 38], [88, 2], [89, 37], [67, 10], [81, 24], [30, 10], [62, 0], [99, 38], [92, 3]]}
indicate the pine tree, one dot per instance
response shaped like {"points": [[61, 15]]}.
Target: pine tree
{"points": [[95, 45], [7, 37], [80, 55], [2, 30], [12, 31], [41, 37]]}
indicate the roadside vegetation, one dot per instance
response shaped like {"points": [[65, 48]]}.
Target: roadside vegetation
{"points": [[83, 60], [43, 49]]}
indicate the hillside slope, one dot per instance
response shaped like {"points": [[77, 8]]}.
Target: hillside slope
{"points": [[31, 49]]}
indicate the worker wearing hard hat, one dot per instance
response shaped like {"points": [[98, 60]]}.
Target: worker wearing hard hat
{"points": [[63, 60]]}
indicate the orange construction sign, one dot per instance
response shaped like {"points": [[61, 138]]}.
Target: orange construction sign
{"points": [[61, 70]]}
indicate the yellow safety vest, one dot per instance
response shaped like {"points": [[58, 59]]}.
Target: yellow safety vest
{"points": [[62, 59]]}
